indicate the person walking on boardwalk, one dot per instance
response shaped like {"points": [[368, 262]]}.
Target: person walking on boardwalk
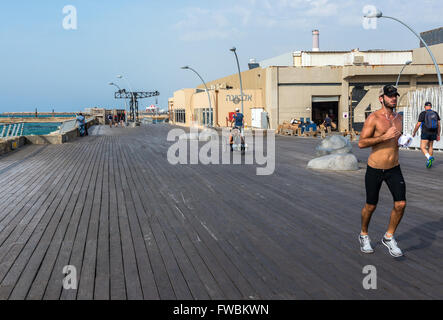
{"points": [[328, 124], [122, 120], [381, 131], [429, 121], [238, 121], [110, 120], [82, 125]]}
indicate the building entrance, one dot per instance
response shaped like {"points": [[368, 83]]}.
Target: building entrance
{"points": [[322, 106]]}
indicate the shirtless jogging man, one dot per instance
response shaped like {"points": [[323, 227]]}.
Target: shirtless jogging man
{"points": [[381, 131]]}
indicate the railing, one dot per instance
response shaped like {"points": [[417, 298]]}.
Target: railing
{"points": [[69, 125], [416, 102], [12, 130]]}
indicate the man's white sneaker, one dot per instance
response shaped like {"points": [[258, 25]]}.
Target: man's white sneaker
{"points": [[365, 244], [391, 244]]}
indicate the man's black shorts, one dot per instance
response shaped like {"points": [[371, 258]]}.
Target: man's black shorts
{"points": [[429, 136], [393, 178]]}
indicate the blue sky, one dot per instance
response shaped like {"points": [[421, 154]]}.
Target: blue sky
{"points": [[44, 66]]}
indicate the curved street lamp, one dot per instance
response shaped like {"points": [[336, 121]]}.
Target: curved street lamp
{"points": [[234, 49], [407, 63], [126, 106], [207, 91], [379, 14]]}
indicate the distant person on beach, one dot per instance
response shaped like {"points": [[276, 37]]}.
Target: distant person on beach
{"points": [[382, 131], [429, 121]]}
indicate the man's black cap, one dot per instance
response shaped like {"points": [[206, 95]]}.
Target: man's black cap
{"points": [[388, 90], [428, 104]]}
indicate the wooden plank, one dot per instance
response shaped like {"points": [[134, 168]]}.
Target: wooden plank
{"points": [[132, 279], [135, 214], [81, 242], [29, 239], [117, 285], [40, 283], [75, 209], [102, 290], [44, 237]]}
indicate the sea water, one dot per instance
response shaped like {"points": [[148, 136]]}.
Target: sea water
{"points": [[37, 128]]}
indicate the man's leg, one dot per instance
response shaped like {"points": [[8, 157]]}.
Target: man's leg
{"points": [[431, 148], [424, 147], [366, 215], [373, 182], [396, 216]]}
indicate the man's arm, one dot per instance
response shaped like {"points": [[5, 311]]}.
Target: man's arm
{"points": [[367, 138], [417, 126], [439, 131]]}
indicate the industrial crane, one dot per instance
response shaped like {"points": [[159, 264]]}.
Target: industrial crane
{"points": [[134, 96]]}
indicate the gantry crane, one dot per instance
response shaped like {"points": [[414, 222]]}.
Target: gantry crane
{"points": [[134, 96]]}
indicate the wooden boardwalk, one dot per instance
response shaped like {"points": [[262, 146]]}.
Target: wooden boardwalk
{"points": [[137, 227]]}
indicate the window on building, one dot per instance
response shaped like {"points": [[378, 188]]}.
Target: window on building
{"points": [[180, 116], [204, 116]]}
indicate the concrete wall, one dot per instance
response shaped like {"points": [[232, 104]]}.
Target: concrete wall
{"points": [[7, 145], [310, 59], [222, 101], [297, 86], [421, 55], [287, 91], [254, 79]]}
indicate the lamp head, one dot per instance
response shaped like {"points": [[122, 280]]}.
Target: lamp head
{"points": [[408, 62], [111, 83], [233, 49], [185, 67], [377, 14], [119, 76]]}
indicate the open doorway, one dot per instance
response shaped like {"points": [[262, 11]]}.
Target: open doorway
{"points": [[322, 106]]}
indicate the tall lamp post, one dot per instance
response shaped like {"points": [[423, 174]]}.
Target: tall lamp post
{"points": [[379, 14], [132, 93], [207, 91], [399, 75], [234, 49], [126, 106]]}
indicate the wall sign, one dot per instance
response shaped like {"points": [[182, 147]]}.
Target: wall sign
{"points": [[238, 98]]}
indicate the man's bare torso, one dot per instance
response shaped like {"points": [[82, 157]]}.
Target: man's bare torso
{"points": [[385, 154]]}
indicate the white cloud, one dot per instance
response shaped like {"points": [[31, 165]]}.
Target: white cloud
{"points": [[250, 15]]}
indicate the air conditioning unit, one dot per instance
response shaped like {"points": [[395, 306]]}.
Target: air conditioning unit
{"points": [[359, 60]]}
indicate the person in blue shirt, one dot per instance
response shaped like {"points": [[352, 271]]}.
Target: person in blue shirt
{"points": [[429, 122], [238, 121], [82, 125]]}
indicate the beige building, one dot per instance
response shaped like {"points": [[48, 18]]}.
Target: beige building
{"points": [[309, 85]]}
